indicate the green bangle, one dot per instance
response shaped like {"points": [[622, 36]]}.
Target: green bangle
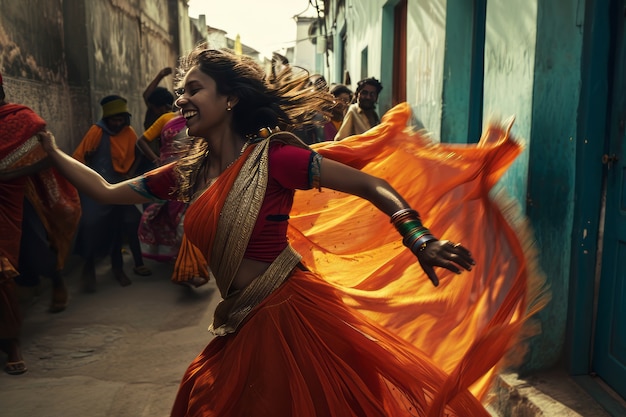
{"points": [[406, 227]]}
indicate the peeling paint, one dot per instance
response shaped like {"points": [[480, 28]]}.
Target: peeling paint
{"points": [[14, 61]]}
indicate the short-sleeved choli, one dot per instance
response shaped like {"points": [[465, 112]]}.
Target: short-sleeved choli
{"points": [[290, 168]]}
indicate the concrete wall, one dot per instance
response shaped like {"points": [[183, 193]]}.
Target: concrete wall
{"points": [[62, 57], [32, 60], [129, 42]]}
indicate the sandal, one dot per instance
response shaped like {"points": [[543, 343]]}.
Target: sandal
{"points": [[15, 368], [142, 270]]}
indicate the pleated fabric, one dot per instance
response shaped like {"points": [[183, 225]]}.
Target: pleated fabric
{"points": [[305, 353], [365, 333]]}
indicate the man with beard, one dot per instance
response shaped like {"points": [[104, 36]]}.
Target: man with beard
{"points": [[361, 116], [109, 148]]}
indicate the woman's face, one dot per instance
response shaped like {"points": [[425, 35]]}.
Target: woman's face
{"points": [[201, 105]]}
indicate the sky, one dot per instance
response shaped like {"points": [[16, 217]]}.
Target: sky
{"points": [[265, 25]]}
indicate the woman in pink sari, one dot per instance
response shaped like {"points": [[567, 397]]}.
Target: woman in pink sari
{"points": [[327, 303], [160, 230]]}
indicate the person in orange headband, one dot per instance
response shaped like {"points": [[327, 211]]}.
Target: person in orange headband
{"points": [[109, 148]]}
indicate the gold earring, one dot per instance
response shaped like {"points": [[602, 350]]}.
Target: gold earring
{"points": [[228, 108]]}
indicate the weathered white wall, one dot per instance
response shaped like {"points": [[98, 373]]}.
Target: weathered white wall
{"points": [[426, 35], [510, 38], [364, 26], [304, 49]]}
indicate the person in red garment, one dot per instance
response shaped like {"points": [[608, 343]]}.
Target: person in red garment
{"points": [[336, 298], [29, 185]]}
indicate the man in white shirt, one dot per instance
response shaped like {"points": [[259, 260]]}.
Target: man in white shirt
{"points": [[361, 116]]}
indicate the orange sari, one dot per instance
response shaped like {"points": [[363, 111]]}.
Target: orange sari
{"points": [[364, 332]]}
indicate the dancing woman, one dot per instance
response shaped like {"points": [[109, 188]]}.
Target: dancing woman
{"points": [[289, 339]]}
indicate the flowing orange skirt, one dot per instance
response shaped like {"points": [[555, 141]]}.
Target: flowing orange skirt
{"points": [[303, 352]]}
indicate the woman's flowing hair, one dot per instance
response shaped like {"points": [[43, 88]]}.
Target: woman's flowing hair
{"points": [[284, 98]]}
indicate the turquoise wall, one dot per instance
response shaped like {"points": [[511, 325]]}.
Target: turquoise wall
{"points": [[552, 157], [462, 112]]}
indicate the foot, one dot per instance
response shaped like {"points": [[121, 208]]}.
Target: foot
{"points": [[142, 270], [88, 277], [59, 299], [15, 368], [121, 277], [15, 362]]}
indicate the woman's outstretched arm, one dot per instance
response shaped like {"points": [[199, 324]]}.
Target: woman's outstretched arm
{"points": [[429, 250], [85, 179]]}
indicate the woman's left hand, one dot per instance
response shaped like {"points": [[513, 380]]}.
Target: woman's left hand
{"points": [[444, 254]]}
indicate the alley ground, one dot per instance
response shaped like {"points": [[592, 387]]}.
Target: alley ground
{"points": [[119, 352]]}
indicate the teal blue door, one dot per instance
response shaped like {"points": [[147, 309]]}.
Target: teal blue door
{"points": [[609, 353]]}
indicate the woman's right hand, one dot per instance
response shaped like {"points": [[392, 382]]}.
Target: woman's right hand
{"points": [[47, 140]]}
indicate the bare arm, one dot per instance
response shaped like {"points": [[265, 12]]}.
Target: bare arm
{"points": [[86, 179], [381, 194], [155, 82]]}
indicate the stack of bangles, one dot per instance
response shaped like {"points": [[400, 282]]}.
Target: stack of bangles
{"points": [[414, 234]]}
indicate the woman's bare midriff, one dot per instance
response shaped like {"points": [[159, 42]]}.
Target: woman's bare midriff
{"points": [[248, 271]]}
